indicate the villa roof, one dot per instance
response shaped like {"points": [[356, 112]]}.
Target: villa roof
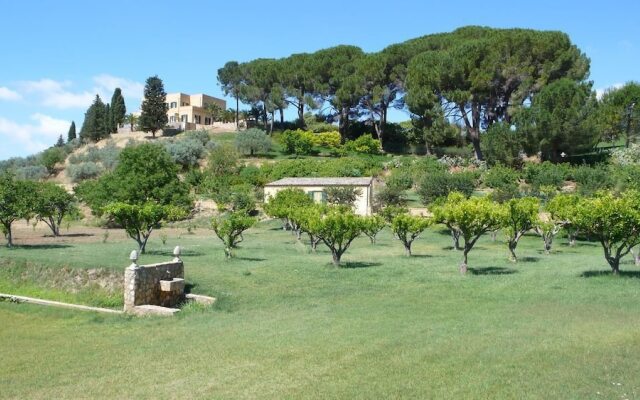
{"points": [[366, 181]]}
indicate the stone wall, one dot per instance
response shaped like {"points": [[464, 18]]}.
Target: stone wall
{"points": [[142, 284]]}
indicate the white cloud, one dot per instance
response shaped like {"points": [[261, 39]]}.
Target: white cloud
{"points": [[58, 94], [8, 94], [32, 137], [129, 88], [600, 92]]}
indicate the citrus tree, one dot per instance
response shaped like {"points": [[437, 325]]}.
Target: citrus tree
{"points": [[284, 203], [472, 218], [562, 211], [16, 202], [51, 204], [140, 220], [337, 229], [614, 221], [229, 228], [520, 216], [407, 228], [372, 225], [439, 217]]}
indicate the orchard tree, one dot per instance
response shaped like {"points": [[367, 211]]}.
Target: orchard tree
{"points": [[51, 157], [71, 135], [118, 110], [372, 225], [562, 212], [51, 204], [614, 221], [253, 141], [472, 218], [407, 228], [153, 115], [284, 203], [342, 195], [16, 202], [229, 228], [440, 217], [337, 229], [547, 231], [520, 217], [139, 220]]}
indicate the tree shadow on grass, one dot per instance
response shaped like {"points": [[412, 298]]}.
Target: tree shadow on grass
{"points": [[359, 264], [169, 253], [492, 271], [529, 259], [421, 256], [188, 287], [250, 258], [624, 274], [41, 246]]}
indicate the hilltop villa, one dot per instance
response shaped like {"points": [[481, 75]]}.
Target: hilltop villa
{"points": [[187, 111]]}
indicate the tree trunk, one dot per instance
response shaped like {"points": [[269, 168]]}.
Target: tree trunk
{"points": [[615, 265], [343, 124], [407, 249], [237, 113], [227, 252], [512, 250], [464, 266], [372, 239], [9, 236], [548, 240], [300, 107], [456, 239], [335, 258], [281, 117]]}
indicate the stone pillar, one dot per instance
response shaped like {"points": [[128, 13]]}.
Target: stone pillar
{"points": [[131, 282]]}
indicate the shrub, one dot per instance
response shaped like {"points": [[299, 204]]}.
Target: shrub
{"points": [[201, 136], [185, 152], [364, 144], [107, 156], [253, 175], [223, 160], [627, 177], [502, 145], [400, 179], [51, 157], [253, 141], [297, 142], [83, 170], [31, 172], [330, 140], [503, 181], [545, 174], [592, 179], [317, 124], [626, 156], [341, 167], [439, 185], [389, 196]]}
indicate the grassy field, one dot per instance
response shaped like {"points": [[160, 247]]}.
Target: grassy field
{"points": [[289, 325]]}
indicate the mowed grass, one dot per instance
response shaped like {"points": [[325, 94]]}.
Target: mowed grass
{"points": [[289, 325]]}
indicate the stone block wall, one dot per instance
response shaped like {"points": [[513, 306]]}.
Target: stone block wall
{"points": [[142, 284]]}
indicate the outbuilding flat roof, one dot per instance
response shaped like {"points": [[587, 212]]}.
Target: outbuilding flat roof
{"points": [[366, 181]]}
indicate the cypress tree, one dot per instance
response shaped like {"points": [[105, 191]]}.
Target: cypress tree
{"points": [[94, 126], [154, 107], [60, 142], [118, 110], [72, 132]]}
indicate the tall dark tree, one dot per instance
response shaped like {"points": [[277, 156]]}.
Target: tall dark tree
{"points": [[619, 113], [71, 135], [95, 125], [230, 78], [154, 107], [118, 110], [299, 82], [60, 141]]}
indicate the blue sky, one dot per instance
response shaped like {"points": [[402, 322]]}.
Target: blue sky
{"points": [[56, 55]]}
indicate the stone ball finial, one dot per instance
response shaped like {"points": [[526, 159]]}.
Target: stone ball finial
{"points": [[133, 256], [176, 251]]}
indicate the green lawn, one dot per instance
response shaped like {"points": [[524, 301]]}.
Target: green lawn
{"points": [[288, 325]]}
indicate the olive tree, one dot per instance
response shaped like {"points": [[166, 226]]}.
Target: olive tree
{"points": [[139, 220], [472, 218], [253, 141], [614, 221], [407, 228], [229, 228], [16, 202], [520, 216]]}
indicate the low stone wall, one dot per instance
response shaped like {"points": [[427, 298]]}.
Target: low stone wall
{"points": [[142, 284]]}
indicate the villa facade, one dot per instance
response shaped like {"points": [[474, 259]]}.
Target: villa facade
{"points": [[188, 111]]}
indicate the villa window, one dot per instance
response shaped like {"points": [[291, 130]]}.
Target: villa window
{"points": [[207, 120], [318, 196], [184, 117], [196, 119], [174, 104]]}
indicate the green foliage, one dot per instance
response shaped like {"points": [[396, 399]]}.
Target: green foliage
{"points": [[186, 152], [592, 179], [372, 225], [545, 174], [619, 113], [283, 204], [317, 124], [340, 167], [52, 204], [439, 185], [407, 228], [472, 218], [201, 136], [502, 145], [16, 202], [153, 115], [627, 155], [71, 135], [364, 144], [336, 229], [139, 220], [229, 228], [339, 195], [31, 172], [145, 173], [107, 156], [297, 142], [117, 111], [331, 139], [613, 221], [504, 182], [222, 160], [84, 170], [388, 213], [253, 141], [521, 215], [95, 125]]}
